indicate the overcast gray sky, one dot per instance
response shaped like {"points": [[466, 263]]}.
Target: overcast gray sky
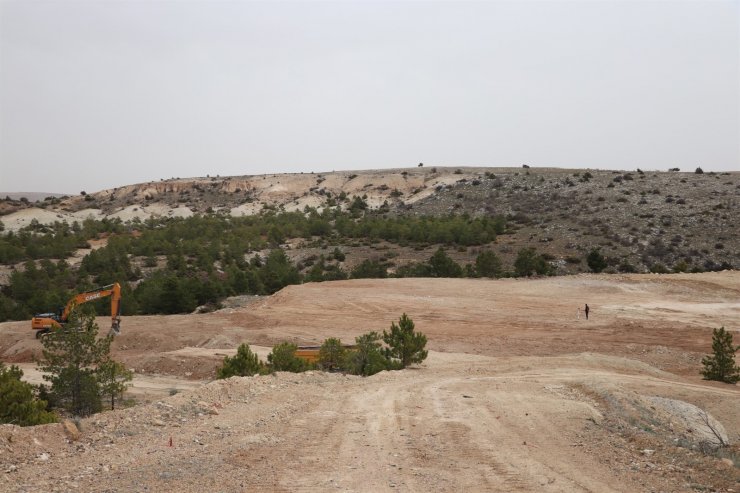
{"points": [[99, 94]]}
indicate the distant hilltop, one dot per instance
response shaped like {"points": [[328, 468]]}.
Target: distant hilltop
{"points": [[31, 196], [639, 220]]}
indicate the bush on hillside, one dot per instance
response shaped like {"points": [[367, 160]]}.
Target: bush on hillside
{"points": [[443, 266], [369, 269], [596, 261], [529, 263], [488, 264]]}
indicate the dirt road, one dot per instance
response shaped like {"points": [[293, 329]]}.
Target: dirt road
{"points": [[459, 422], [517, 395]]}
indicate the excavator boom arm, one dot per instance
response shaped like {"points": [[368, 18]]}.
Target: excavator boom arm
{"points": [[112, 290]]}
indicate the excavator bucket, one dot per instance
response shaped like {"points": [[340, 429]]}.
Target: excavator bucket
{"points": [[115, 328]]}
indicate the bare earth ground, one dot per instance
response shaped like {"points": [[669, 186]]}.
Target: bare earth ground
{"points": [[518, 394]]}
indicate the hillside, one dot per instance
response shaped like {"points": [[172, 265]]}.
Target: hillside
{"points": [[640, 220]]}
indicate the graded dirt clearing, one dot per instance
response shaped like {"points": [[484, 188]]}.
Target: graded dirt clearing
{"points": [[518, 394]]}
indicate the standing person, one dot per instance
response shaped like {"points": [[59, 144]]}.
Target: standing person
{"points": [[586, 310]]}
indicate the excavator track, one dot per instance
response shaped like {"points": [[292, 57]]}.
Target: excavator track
{"points": [[41, 333]]}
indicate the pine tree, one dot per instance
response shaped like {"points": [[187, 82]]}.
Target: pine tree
{"points": [[528, 262], [283, 358], [243, 364], [487, 264], [721, 365], [596, 261], [404, 344], [443, 266], [367, 359], [113, 379], [331, 354], [71, 357], [18, 405]]}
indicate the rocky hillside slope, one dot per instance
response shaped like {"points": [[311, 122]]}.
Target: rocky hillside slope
{"points": [[640, 220]]}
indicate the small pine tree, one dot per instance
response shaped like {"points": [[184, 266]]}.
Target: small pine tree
{"points": [[369, 269], [721, 365], [367, 359], [596, 261], [243, 364], [71, 357], [405, 345], [339, 255], [331, 355], [487, 264], [113, 379], [18, 405], [283, 358], [528, 262], [443, 266]]}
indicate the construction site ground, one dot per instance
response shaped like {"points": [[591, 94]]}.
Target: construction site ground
{"points": [[520, 393]]}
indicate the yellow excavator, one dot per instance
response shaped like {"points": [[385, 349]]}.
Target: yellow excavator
{"points": [[43, 323]]}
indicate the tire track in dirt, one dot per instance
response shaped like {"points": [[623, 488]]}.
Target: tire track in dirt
{"points": [[415, 433]]}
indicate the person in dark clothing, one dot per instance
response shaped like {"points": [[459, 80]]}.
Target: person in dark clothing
{"points": [[586, 310]]}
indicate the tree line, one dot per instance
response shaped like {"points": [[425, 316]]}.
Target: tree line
{"points": [[207, 257], [395, 349], [184, 284]]}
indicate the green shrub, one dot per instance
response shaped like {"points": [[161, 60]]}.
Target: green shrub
{"points": [[369, 269], [367, 359], [283, 358], [658, 268], [528, 263], [488, 264], [338, 254], [243, 364], [721, 365], [443, 266], [332, 355], [596, 261], [18, 405], [625, 266]]}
